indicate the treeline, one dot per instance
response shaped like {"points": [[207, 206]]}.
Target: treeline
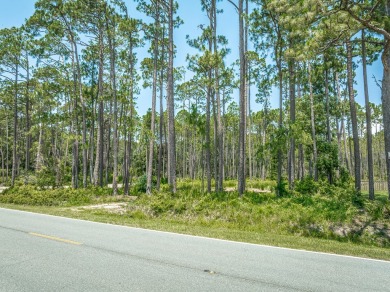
{"points": [[71, 80]]}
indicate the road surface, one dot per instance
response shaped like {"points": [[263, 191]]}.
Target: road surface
{"points": [[48, 253]]}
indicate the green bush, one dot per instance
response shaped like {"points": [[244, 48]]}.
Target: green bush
{"points": [[306, 186], [140, 184], [36, 196], [282, 188]]}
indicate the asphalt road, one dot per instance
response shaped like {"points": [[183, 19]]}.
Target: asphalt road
{"points": [[47, 253]]}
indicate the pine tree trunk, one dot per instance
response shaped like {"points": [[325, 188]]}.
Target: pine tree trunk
{"points": [[84, 123], [328, 131], [153, 113], [112, 47], [7, 148], [291, 160], [368, 121], [263, 140], [171, 106], [313, 128], [128, 145], [216, 144], [92, 132], [2, 166], [220, 150], [161, 133], [280, 122], [208, 138], [301, 162], [98, 170], [75, 124], [352, 105], [242, 125], [347, 162], [15, 128], [337, 88], [39, 159], [115, 134], [386, 104], [107, 147], [28, 119]]}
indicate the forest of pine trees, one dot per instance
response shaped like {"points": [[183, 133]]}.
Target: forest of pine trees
{"points": [[71, 78]]}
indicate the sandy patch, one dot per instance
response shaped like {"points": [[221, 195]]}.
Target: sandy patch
{"points": [[117, 208]]}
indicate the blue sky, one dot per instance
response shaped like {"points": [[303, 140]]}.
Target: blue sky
{"points": [[14, 12]]}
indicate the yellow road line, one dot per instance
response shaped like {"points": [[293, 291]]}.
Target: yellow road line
{"points": [[55, 238]]}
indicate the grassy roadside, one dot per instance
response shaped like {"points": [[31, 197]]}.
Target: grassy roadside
{"points": [[316, 217], [215, 231]]}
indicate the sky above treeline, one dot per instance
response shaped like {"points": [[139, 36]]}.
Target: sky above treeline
{"points": [[14, 13]]}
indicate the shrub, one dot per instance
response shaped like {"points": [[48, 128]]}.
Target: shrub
{"points": [[282, 188], [307, 186], [140, 184], [33, 195]]}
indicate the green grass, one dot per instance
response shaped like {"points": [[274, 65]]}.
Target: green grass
{"points": [[315, 221], [382, 196], [272, 239]]}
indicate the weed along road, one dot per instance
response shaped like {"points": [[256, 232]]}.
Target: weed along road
{"points": [[47, 253]]}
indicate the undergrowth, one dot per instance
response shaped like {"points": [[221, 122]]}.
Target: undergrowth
{"points": [[38, 196], [314, 209]]}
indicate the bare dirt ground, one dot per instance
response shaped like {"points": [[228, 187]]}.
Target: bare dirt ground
{"points": [[117, 208], [114, 207]]}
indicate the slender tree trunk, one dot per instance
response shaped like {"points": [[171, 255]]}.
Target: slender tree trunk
{"points": [[112, 47], [2, 166], [208, 138], [15, 129], [301, 162], [352, 105], [280, 122], [129, 146], [291, 160], [98, 171], [220, 129], [153, 114], [343, 130], [248, 118], [216, 142], [263, 140], [78, 92], [242, 126], [350, 152], [39, 159], [313, 128], [7, 147], [128, 158], [386, 103], [75, 123], [28, 118], [83, 109], [107, 156], [386, 99], [368, 121], [328, 131], [92, 130], [337, 88], [171, 106], [160, 148]]}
